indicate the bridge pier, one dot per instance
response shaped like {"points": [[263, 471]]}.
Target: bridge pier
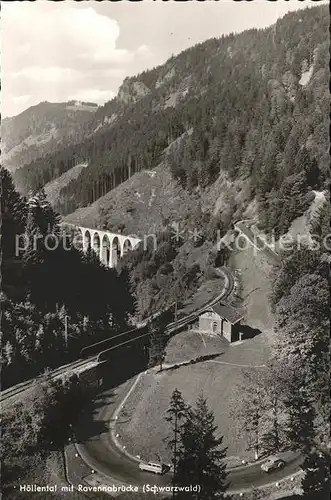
{"points": [[109, 247]]}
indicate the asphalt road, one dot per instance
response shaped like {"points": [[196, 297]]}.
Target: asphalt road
{"points": [[98, 450], [257, 242]]}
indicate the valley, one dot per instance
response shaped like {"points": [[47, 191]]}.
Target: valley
{"points": [[150, 337]]}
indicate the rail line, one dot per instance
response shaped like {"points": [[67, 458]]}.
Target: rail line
{"points": [[57, 372], [16, 390], [176, 325], [23, 386]]}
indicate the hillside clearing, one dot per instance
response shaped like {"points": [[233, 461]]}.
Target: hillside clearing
{"points": [[142, 426]]}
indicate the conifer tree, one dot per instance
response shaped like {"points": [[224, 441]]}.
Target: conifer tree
{"points": [[201, 457], [12, 221], [158, 342], [251, 409], [123, 303], [176, 414], [316, 483], [300, 409]]}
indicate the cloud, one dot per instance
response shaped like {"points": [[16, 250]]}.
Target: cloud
{"points": [[120, 56], [144, 51], [46, 75], [56, 51], [22, 99], [57, 34]]}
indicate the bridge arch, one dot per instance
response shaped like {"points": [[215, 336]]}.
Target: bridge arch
{"points": [[127, 246], [96, 243], [87, 243], [78, 239], [116, 251], [105, 250]]}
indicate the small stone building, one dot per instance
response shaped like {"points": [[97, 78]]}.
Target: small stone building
{"points": [[222, 320]]}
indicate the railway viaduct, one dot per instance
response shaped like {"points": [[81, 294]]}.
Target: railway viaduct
{"points": [[109, 247]]}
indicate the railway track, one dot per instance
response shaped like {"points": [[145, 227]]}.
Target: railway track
{"points": [[176, 325], [15, 391], [57, 372]]}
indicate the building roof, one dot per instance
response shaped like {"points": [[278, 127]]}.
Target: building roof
{"points": [[231, 314], [208, 315]]}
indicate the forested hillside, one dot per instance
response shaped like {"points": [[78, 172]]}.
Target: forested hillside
{"points": [[54, 299], [42, 129], [288, 405], [254, 106]]}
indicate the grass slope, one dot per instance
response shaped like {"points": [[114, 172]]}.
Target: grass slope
{"points": [[142, 426], [149, 199], [140, 204]]}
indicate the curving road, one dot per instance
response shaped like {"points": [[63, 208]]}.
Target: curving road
{"points": [[256, 241], [104, 456]]}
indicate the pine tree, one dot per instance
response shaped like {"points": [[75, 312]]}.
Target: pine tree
{"points": [[12, 217], [293, 266], [300, 429], [320, 226], [41, 213], [273, 437], [201, 458], [41, 237], [123, 302], [302, 338], [158, 341], [316, 483], [251, 410], [176, 413]]}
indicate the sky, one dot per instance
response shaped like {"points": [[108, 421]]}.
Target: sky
{"points": [[59, 51]]}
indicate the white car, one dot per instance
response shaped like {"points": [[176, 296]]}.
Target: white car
{"points": [[151, 467], [273, 463]]}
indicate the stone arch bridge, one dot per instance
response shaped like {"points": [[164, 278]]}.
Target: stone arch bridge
{"points": [[110, 247]]}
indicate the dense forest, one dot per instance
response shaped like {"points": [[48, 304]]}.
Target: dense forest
{"points": [[254, 104], [287, 407], [55, 299], [172, 271]]}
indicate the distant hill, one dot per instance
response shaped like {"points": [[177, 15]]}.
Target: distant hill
{"points": [[250, 108], [42, 129]]}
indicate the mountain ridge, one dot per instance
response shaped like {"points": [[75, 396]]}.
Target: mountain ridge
{"points": [[42, 129], [254, 103]]}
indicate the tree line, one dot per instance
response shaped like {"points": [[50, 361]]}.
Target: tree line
{"points": [[42, 424], [55, 299], [286, 406]]}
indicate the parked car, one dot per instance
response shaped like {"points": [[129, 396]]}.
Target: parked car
{"points": [[168, 468], [151, 467], [273, 463]]}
